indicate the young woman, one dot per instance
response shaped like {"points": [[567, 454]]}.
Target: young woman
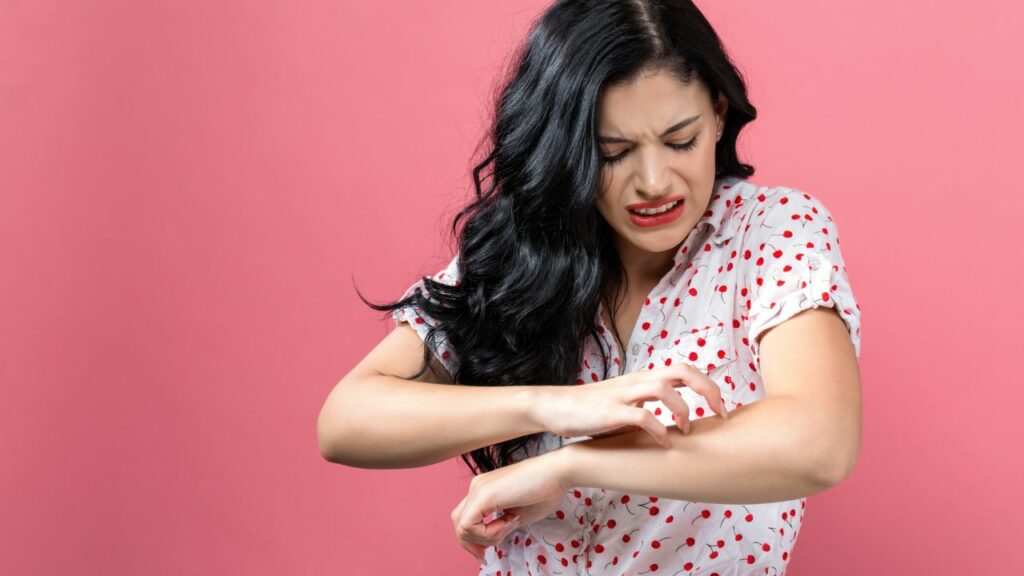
{"points": [[651, 361]]}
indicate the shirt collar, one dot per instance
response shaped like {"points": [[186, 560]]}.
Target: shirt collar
{"points": [[719, 216]]}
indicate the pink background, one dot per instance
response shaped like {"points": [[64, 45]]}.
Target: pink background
{"points": [[189, 193]]}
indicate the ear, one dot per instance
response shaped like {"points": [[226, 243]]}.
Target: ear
{"points": [[721, 109]]}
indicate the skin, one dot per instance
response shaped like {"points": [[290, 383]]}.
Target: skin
{"points": [[809, 368]]}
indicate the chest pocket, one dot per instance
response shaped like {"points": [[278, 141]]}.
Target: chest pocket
{"points": [[712, 353]]}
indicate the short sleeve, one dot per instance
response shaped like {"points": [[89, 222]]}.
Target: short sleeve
{"points": [[791, 262], [422, 322]]}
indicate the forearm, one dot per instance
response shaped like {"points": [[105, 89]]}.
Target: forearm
{"points": [[764, 452], [387, 422]]}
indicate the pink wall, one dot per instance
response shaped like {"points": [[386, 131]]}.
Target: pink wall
{"points": [[189, 190]]}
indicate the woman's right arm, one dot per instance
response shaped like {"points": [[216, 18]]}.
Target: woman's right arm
{"points": [[375, 419]]}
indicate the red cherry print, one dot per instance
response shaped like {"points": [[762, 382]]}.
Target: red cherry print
{"points": [[701, 342], [559, 547], [785, 555], [663, 299], [664, 333], [693, 292], [625, 498], [728, 513], [655, 544], [688, 566], [654, 510], [713, 555], [654, 567], [577, 493], [669, 519], [766, 547], [693, 356], [668, 361], [705, 513], [599, 548], [565, 562], [750, 518], [646, 325], [653, 498], [542, 559], [750, 559], [700, 411], [657, 411]]}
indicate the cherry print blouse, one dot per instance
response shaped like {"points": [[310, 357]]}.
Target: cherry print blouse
{"points": [[757, 257]]}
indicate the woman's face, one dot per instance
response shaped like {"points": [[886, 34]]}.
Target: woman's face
{"points": [[657, 139]]}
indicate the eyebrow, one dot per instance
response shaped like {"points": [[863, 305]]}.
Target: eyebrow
{"points": [[669, 130]]}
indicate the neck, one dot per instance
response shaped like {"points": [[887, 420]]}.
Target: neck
{"points": [[645, 268]]}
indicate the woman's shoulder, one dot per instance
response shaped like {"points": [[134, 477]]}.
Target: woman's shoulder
{"points": [[756, 201]]}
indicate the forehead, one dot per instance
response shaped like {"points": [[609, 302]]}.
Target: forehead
{"points": [[650, 103]]}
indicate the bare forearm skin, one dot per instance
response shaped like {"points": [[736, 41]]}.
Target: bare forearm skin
{"points": [[387, 422], [768, 451]]}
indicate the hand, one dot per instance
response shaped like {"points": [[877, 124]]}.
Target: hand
{"points": [[526, 491], [615, 405]]}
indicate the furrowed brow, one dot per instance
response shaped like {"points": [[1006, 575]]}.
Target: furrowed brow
{"points": [[669, 130]]}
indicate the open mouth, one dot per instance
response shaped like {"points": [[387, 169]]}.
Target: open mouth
{"points": [[657, 216], [655, 211]]}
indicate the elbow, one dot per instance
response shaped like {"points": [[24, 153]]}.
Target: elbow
{"points": [[327, 439], [834, 463]]}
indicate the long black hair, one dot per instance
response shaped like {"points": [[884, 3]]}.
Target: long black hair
{"points": [[534, 254]]}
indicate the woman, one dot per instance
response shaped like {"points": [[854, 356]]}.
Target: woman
{"points": [[620, 245]]}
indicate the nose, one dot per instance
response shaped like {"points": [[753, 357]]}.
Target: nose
{"points": [[652, 177]]}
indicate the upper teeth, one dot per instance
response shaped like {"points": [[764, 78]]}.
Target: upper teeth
{"points": [[649, 211]]}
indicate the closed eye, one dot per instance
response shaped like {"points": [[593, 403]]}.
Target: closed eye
{"points": [[608, 160]]}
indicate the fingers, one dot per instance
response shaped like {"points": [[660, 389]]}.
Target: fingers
{"points": [[475, 536], [679, 408], [700, 383], [643, 418]]}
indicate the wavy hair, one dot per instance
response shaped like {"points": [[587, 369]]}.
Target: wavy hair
{"points": [[534, 254]]}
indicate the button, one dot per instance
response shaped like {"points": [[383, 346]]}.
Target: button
{"points": [[636, 349]]}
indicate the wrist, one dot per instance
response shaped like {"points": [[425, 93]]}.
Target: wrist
{"points": [[536, 398], [564, 464]]}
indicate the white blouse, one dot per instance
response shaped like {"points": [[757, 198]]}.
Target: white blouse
{"points": [[757, 257]]}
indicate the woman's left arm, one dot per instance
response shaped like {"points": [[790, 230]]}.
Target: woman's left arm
{"points": [[802, 438]]}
